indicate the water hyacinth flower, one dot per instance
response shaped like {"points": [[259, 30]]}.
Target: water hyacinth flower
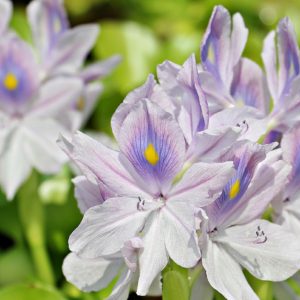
{"points": [[186, 183], [144, 200], [287, 204], [28, 111], [44, 90], [179, 93], [282, 64], [62, 50], [233, 234], [228, 79], [96, 274]]}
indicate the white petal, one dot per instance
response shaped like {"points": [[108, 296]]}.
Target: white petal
{"points": [[57, 96], [106, 227], [269, 59], [91, 94], [87, 193], [100, 69], [153, 258], [5, 14], [90, 274], [178, 225], [71, 49], [239, 36], [225, 274], [266, 250], [40, 144], [122, 287], [209, 145], [14, 165]]}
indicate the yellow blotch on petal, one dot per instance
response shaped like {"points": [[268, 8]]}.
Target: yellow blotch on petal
{"points": [[151, 155], [10, 82], [234, 189]]}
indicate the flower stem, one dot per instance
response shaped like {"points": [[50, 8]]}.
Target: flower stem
{"points": [[175, 283], [32, 220]]}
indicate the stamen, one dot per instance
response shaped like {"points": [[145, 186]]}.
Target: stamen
{"points": [[140, 205], [261, 238]]}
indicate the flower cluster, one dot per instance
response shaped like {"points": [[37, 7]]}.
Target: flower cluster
{"points": [[198, 164], [44, 89]]}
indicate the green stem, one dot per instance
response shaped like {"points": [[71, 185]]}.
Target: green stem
{"points": [[32, 219], [175, 283], [194, 274]]}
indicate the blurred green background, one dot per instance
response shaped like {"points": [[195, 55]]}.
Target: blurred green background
{"points": [[145, 33]]}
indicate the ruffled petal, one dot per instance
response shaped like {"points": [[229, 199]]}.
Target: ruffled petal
{"points": [[106, 227], [90, 274]]}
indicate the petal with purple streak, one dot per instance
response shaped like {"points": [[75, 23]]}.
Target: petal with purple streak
{"points": [[101, 164], [246, 158], [153, 143], [290, 145], [288, 56], [249, 86], [149, 90], [71, 49], [193, 115], [48, 22], [269, 57], [215, 48], [19, 75]]}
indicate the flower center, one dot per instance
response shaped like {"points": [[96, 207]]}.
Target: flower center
{"points": [[234, 189], [151, 155], [10, 82]]}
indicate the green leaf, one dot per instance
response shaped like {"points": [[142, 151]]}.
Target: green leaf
{"points": [[15, 265], [29, 292], [20, 24]]}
